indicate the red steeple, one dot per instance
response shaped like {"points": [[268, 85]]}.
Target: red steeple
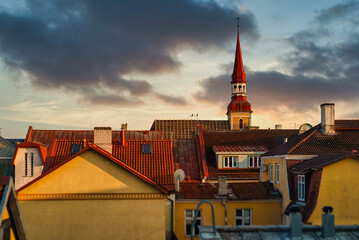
{"points": [[238, 75]]}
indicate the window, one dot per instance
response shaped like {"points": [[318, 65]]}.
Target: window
{"points": [[76, 148], [240, 123], [146, 148], [189, 215], [254, 161], [32, 163], [271, 172], [25, 164], [243, 217], [230, 162], [301, 187], [277, 173]]}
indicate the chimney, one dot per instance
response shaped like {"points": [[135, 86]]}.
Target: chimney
{"points": [[222, 186], [328, 229], [124, 127], [278, 126], [295, 221], [327, 118], [103, 138]]}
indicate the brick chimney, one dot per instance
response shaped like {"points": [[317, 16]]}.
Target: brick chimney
{"points": [[103, 138], [327, 118]]}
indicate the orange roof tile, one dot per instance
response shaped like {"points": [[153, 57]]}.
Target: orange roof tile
{"points": [[239, 148]]}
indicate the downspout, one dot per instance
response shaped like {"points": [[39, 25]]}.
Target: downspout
{"points": [[224, 202]]}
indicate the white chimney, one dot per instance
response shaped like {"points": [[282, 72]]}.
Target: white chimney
{"points": [[103, 138], [222, 186], [328, 118]]}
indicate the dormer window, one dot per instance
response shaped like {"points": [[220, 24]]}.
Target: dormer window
{"points": [[76, 148], [230, 162], [301, 187], [146, 148]]}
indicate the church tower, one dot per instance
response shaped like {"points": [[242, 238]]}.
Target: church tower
{"points": [[239, 109]]}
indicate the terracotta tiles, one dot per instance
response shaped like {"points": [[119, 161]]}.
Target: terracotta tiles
{"points": [[236, 191], [239, 148], [186, 129], [234, 173]]}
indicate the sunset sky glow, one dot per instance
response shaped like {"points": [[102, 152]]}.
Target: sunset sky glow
{"points": [[78, 64]]}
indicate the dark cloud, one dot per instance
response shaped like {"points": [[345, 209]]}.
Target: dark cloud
{"points": [[347, 9], [171, 99], [320, 69], [72, 44]]}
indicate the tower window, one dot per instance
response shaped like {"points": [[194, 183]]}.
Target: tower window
{"points": [[240, 123]]}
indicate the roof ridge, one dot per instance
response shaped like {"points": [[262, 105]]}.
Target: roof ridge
{"points": [[303, 140]]}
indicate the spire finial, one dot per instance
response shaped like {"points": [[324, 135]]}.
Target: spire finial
{"points": [[238, 24]]}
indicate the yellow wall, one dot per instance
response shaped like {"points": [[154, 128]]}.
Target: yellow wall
{"points": [[90, 173], [4, 217], [339, 188], [93, 219], [263, 213], [234, 119], [283, 179]]}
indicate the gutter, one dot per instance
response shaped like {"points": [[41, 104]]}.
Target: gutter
{"points": [[224, 202]]}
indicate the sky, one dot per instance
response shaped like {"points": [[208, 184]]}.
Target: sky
{"points": [[79, 64]]}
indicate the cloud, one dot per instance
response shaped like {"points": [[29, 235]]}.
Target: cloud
{"points": [[86, 46], [339, 11], [171, 99], [319, 68]]}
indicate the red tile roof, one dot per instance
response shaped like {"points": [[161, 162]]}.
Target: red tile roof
{"points": [[186, 129], [110, 157], [314, 142], [157, 165], [239, 148], [185, 157], [236, 191], [44, 137], [257, 139]]}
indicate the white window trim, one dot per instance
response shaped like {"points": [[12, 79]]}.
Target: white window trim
{"points": [[271, 172], [191, 219], [277, 173], [301, 188], [234, 161], [243, 217], [252, 160]]}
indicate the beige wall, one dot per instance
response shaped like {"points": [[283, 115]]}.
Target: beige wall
{"points": [[339, 188], [103, 218], [234, 119]]}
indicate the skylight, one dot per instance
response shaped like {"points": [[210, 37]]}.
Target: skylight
{"points": [[146, 148], [76, 148]]}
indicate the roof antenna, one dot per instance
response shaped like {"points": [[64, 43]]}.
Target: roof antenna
{"points": [[238, 24]]}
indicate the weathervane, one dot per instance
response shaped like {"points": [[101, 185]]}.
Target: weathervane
{"points": [[238, 24]]}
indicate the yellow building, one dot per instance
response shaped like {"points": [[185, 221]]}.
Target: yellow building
{"points": [[314, 169], [93, 195], [234, 204]]}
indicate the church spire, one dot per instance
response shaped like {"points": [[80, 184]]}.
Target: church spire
{"points": [[238, 75], [239, 109]]}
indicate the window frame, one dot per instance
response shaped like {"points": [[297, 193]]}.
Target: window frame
{"points": [[277, 172], [243, 217], [146, 148], [26, 158], [301, 187], [32, 163], [271, 173], [226, 161], [254, 162], [193, 211]]}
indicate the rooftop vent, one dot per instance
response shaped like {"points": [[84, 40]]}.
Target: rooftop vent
{"points": [[146, 148]]}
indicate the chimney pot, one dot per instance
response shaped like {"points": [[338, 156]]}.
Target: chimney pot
{"points": [[295, 222], [328, 227], [328, 118]]}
